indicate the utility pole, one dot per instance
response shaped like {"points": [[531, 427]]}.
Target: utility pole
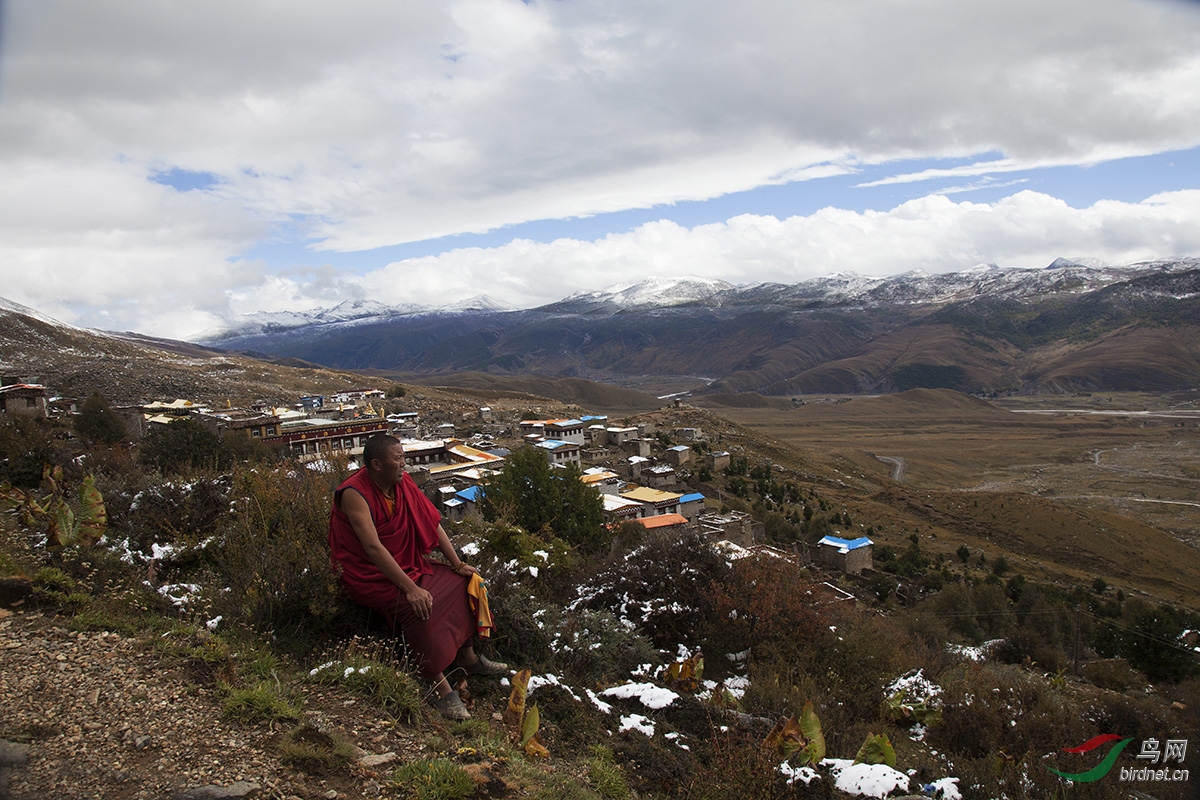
{"points": [[1078, 613]]}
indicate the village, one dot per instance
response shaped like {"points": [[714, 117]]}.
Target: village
{"points": [[451, 454]]}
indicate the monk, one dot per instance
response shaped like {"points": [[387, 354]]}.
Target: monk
{"points": [[380, 529]]}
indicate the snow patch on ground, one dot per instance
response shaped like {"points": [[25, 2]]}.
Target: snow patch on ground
{"points": [[793, 774], [980, 653], [651, 696], [636, 722], [865, 780], [600, 704], [946, 788], [537, 681]]}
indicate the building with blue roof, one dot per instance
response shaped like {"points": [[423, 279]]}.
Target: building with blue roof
{"points": [[851, 556], [691, 505]]}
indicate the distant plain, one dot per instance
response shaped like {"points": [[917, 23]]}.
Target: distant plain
{"points": [[1101, 485]]}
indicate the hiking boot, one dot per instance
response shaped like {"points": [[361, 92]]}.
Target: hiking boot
{"points": [[451, 707], [485, 667]]}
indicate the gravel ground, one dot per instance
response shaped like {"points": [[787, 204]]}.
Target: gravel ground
{"points": [[106, 717]]}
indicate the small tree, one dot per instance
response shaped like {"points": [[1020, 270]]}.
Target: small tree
{"points": [[97, 422], [532, 494], [182, 445], [964, 553]]}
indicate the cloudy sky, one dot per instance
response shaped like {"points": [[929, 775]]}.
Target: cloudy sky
{"points": [[166, 166]]}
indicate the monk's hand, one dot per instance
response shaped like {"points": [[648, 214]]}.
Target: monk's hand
{"points": [[421, 602], [465, 570]]}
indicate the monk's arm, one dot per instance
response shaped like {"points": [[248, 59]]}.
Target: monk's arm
{"points": [[452, 557], [354, 505]]}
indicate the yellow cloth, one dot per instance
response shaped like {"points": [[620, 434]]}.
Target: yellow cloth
{"points": [[477, 593]]}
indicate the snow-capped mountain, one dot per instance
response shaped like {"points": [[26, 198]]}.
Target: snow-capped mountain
{"points": [[650, 293], [13, 307], [346, 313], [847, 289], [1071, 326], [838, 290]]}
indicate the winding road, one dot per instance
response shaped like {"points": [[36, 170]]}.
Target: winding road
{"points": [[898, 466]]}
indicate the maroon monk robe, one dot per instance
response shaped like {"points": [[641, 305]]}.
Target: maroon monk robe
{"points": [[408, 534]]}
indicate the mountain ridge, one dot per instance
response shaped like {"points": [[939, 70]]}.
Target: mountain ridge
{"points": [[1066, 327]]}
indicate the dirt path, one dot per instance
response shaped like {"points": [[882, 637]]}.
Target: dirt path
{"points": [[107, 717]]}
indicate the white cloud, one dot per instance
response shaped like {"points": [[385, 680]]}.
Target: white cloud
{"points": [[365, 124], [932, 233]]}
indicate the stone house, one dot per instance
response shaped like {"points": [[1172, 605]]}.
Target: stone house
{"points": [[851, 556]]}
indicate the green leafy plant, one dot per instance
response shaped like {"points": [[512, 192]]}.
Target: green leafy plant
{"points": [[876, 749], [798, 738], [65, 528], [523, 721]]}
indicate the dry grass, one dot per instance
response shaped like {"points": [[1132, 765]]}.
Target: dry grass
{"points": [[1065, 497]]}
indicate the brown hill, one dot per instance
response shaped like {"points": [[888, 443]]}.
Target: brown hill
{"points": [[577, 391], [916, 355], [74, 363], [1132, 359]]}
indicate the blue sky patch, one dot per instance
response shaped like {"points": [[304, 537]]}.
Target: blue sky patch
{"points": [[185, 180]]}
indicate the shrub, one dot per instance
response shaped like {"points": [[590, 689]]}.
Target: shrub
{"points": [[26, 446], [275, 564], [525, 624], [991, 711], [568, 726], [1114, 674], [765, 604], [97, 422], [182, 446], [539, 498], [734, 764], [661, 588], [1146, 637], [507, 553], [593, 647], [181, 515]]}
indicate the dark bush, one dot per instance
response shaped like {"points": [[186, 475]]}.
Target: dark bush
{"points": [[97, 422], [1113, 674], [275, 558], [182, 446], [26, 447], [662, 587]]}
